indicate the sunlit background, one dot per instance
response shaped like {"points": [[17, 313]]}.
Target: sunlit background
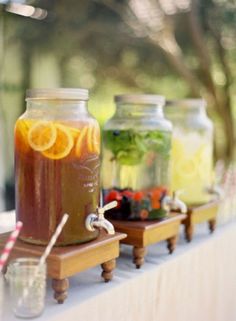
{"points": [[177, 48]]}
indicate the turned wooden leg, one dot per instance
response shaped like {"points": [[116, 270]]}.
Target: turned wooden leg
{"points": [[138, 256], [60, 288], [188, 229], [171, 243], [212, 225], [107, 268]]}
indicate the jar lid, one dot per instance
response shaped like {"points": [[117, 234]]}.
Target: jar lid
{"points": [[140, 99], [57, 93], [188, 103]]}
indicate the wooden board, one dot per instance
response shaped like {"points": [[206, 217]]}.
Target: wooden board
{"points": [[144, 233], [69, 260], [200, 214]]}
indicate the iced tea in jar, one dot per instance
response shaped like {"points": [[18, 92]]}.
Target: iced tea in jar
{"points": [[57, 147]]}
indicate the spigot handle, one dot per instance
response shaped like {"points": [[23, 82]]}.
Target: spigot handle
{"points": [[108, 206], [174, 203], [177, 193], [215, 190]]}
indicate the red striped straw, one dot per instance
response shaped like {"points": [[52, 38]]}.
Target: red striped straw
{"points": [[9, 245], [44, 257]]}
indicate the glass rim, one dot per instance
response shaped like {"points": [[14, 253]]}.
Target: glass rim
{"points": [[140, 99], [22, 260], [188, 102], [57, 94]]}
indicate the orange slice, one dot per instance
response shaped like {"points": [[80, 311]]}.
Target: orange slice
{"points": [[90, 139], [42, 135], [96, 139], [63, 144], [21, 134], [80, 141], [93, 139], [74, 132]]}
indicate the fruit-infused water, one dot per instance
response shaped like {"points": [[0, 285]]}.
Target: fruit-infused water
{"points": [[192, 150], [135, 172], [56, 172], [136, 151], [191, 166]]}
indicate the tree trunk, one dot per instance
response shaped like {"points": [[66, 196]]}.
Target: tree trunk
{"points": [[26, 67]]}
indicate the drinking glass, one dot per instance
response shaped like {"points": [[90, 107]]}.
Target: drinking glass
{"points": [[27, 287]]}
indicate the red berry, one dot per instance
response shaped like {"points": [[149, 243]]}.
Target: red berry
{"points": [[113, 195], [128, 194], [138, 196]]}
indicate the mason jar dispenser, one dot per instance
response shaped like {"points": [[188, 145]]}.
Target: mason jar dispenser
{"points": [[192, 150], [135, 163], [57, 164]]}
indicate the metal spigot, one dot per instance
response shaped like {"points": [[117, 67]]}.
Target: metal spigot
{"points": [[98, 220], [173, 204], [216, 191]]}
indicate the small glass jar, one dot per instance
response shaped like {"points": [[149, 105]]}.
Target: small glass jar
{"points": [[27, 287], [136, 150], [57, 147], [192, 150]]}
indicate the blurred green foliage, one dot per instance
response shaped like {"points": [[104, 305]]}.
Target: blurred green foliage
{"points": [[97, 45]]}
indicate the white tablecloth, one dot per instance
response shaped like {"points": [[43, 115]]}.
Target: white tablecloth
{"points": [[196, 283]]}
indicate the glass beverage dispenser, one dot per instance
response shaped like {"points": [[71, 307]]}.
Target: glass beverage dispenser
{"points": [[136, 151], [57, 147], [192, 150]]}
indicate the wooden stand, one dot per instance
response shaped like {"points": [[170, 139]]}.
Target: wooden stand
{"points": [[200, 214], [64, 262], [140, 234]]}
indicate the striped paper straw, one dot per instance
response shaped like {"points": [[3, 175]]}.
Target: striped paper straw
{"points": [[44, 256], [53, 239], [9, 245]]}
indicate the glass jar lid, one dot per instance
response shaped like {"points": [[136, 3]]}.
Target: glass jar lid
{"points": [[140, 99], [57, 93], [188, 103]]}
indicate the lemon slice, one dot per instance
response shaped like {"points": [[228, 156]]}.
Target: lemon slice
{"points": [[62, 145], [186, 167], [177, 148], [42, 135]]}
